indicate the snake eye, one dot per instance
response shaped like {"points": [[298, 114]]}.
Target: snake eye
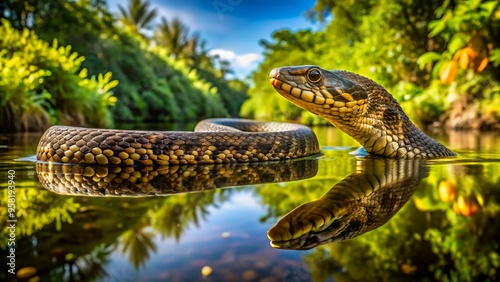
{"points": [[314, 75]]}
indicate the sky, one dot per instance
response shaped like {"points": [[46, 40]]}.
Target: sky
{"points": [[232, 28]]}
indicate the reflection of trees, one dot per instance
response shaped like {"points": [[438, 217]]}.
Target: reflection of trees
{"points": [[29, 204], [85, 268], [138, 243], [321, 265], [464, 226], [172, 216], [70, 237]]}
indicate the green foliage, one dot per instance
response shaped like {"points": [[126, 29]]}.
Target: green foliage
{"points": [[29, 203], [469, 30], [468, 23], [31, 14], [137, 16], [41, 80], [286, 48], [173, 36], [394, 43], [153, 86]]}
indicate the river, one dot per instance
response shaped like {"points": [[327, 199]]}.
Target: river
{"points": [[443, 225]]}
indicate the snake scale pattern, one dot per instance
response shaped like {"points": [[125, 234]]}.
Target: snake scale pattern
{"points": [[358, 106], [214, 141], [105, 162], [361, 202], [355, 104], [129, 181]]}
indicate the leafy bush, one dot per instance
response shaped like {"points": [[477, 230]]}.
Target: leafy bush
{"points": [[43, 83], [153, 86]]}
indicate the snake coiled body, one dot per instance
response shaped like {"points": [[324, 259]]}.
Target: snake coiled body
{"points": [[214, 141]]}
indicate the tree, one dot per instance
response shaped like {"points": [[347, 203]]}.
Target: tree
{"points": [[29, 14], [173, 36], [138, 15]]}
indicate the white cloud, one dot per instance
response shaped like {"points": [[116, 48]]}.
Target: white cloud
{"points": [[223, 54], [247, 59], [241, 64]]}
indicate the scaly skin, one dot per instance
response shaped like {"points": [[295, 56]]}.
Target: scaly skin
{"points": [[358, 106], [215, 141], [130, 181]]}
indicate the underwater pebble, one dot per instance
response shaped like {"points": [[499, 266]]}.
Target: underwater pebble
{"points": [[206, 270], [26, 272]]}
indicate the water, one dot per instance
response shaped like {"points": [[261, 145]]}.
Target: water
{"points": [[445, 226]]}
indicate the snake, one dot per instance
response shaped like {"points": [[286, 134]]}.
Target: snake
{"points": [[353, 103], [360, 107], [361, 202], [214, 141]]}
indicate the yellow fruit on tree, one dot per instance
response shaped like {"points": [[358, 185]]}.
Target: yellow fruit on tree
{"points": [[448, 72]]}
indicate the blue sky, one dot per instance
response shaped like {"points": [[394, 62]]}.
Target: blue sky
{"points": [[233, 28]]}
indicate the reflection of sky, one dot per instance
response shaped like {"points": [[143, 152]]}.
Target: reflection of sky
{"points": [[233, 31], [247, 247]]}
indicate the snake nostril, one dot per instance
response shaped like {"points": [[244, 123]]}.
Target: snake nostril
{"points": [[274, 73]]}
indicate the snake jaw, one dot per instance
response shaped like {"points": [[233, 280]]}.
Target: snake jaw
{"points": [[300, 231]]}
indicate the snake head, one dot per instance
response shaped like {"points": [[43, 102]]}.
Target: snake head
{"points": [[329, 94], [312, 224]]}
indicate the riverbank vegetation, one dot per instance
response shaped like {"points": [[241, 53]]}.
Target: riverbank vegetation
{"points": [[439, 59], [80, 64], [75, 63]]}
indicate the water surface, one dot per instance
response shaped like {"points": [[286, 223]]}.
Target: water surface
{"points": [[446, 230]]}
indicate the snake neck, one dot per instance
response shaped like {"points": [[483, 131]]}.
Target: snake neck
{"points": [[384, 129]]}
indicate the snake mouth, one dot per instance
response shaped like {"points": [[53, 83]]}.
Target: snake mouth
{"points": [[335, 230], [298, 93], [304, 242], [296, 244]]}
